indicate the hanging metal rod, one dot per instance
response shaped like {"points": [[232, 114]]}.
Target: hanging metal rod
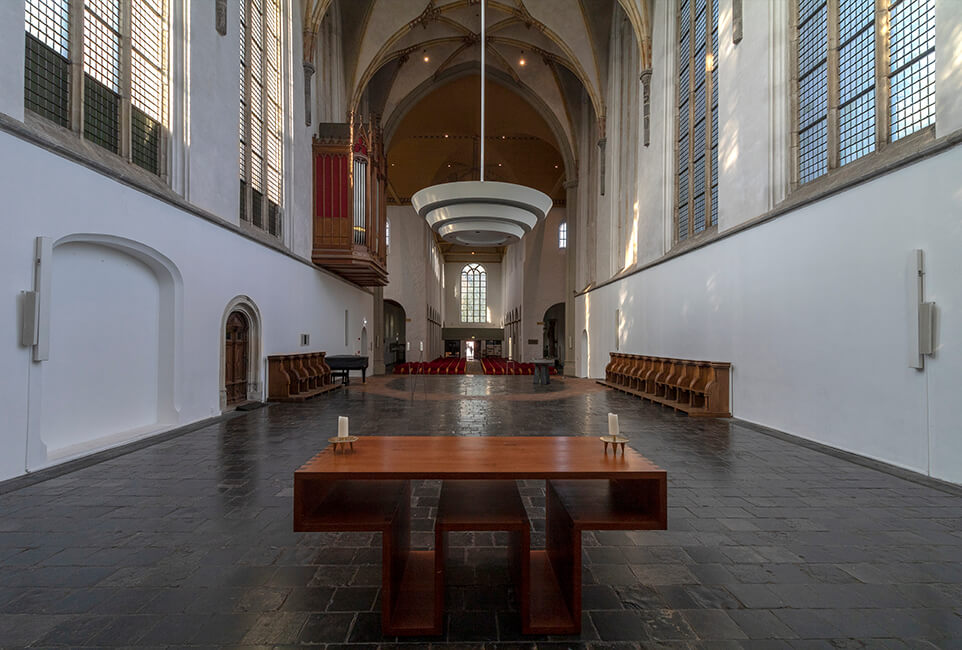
{"points": [[483, 48]]}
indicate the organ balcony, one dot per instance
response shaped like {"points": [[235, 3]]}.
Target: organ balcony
{"points": [[349, 206]]}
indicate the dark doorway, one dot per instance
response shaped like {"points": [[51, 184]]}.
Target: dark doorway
{"points": [[395, 334], [553, 338], [236, 346]]}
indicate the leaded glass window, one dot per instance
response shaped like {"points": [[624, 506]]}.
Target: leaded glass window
{"points": [[912, 65], [120, 48], [474, 294], [865, 78], [261, 114], [47, 75], [563, 235], [697, 174]]}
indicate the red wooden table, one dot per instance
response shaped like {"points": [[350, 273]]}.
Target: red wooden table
{"points": [[586, 489]]}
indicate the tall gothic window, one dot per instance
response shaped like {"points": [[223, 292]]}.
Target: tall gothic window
{"points": [[865, 78], [697, 181], [563, 235], [261, 115], [103, 76], [474, 294]]}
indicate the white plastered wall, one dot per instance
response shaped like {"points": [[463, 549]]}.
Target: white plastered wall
{"points": [[414, 279], [544, 280], [810, 308], [50, 196], [215, 265]]}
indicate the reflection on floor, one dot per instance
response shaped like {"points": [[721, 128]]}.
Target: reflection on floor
{"points": [[189, 542]]}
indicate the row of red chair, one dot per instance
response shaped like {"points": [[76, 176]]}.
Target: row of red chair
{"points": [[499, 366], [440, 366]]}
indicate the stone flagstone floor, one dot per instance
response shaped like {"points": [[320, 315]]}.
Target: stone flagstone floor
{"points": [[771, 544]]}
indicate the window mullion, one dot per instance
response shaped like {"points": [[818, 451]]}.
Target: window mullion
{"points": [[882, 81], [833, 135], [249, 114], [163, 164], [265, 115], [76, 13], [796, 144], [709, 101], [692, 13], [126, 41]]}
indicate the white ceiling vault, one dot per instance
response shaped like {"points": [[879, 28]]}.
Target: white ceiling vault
{"points": [[393, 49]]}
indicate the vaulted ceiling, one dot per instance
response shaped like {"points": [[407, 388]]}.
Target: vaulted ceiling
{"points": [[438, 141], [552, 49], [415, 64]]}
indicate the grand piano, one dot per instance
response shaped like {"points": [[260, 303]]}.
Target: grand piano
{"points": [[341, 365]]}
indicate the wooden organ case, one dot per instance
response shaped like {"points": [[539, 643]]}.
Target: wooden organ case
{"points": [[350, 207]]}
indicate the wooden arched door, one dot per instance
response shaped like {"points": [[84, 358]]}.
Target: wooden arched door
{"points": [[236, 346]]}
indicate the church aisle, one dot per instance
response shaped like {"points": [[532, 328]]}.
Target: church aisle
{"points": [[189, 543]]}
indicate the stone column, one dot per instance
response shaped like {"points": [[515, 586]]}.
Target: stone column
{"points": [[571, 275], [308, 78], [377, 363]]}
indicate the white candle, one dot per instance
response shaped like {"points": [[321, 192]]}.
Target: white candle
{"points": [[612, 424], [342, 427]]}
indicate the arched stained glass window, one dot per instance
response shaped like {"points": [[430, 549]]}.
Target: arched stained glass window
{"points": [[474, 294]]}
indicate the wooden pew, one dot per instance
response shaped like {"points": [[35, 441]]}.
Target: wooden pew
{"points": [[697, 388], [297, 377]]}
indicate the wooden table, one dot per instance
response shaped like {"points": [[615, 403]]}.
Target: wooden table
{"points": [[586, 489]]}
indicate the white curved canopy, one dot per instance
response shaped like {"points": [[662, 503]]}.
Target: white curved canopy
{"points": [[481, 213]]}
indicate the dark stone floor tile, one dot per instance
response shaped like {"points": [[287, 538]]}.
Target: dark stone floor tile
{"points": [[761, 624], [274, 628], [367, 628], [783, 540], [472, 626], [127, 630], [353, 599], [713, 624], [641, 625], [292, 576], [808, 623], [76, 631], [326, 628], [600, 597]]}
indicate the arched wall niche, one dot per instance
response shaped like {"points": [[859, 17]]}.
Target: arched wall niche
{"points": [[115, 336], [255, 388]]}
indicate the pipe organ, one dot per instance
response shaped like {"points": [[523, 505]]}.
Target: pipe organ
{"points": [[350, 211]]}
